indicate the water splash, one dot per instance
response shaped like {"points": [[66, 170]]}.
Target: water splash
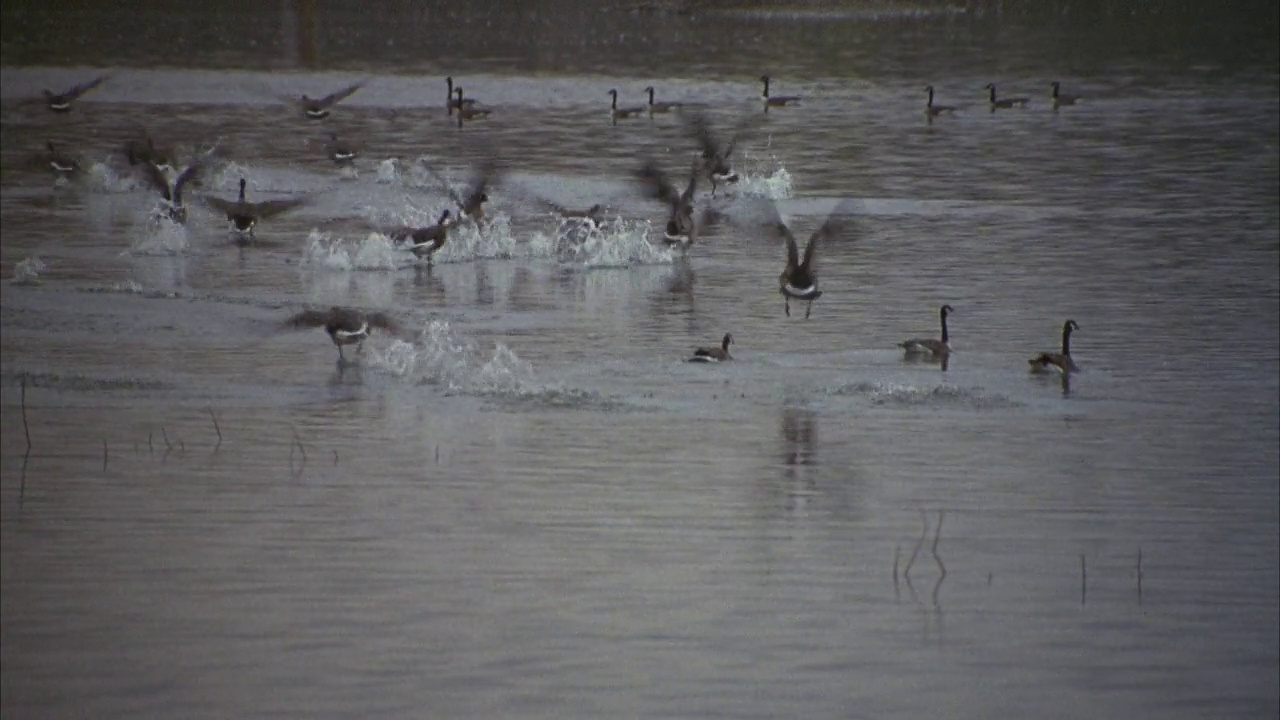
{"points": [[374, 252], [775, 185], [941, 396], [619, 243], [388, 172], [27, 271], [158, 235], [439, 357]]}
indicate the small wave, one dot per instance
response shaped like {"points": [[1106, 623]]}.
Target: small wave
{"points": [[27, 271], [901, 395], [85, 383]]}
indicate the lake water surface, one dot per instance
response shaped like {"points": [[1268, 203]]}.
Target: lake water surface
{"points": [[527, 504]]}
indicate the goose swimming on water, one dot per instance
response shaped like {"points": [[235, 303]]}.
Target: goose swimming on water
{"points": [[776, 100], [714, 354], [1057, 362], [930, 347], [1003, 103]]}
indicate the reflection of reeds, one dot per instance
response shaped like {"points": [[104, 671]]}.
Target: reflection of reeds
{"points": [[937, 533], [26, 456], [1139, 575], [215, 428], [1084, 579], [26, 429], [935, 604]]}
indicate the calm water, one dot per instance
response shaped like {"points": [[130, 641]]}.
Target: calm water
{"points": [[527, 505]]}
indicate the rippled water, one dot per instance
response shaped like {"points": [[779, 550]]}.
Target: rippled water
{"points": [[527, 504]]}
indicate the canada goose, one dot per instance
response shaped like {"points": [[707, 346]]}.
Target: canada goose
{"points": [[934, 111], [61, 164], [661, 107], [245, 215], [681, 226], [799, 279], [468, 109], [62, 101], [777, 100], [172, 192], [1003, 103], [616, 112], [917, 347], [453, 103], [715, 156], [1060, 98], [318, 108], [592, 216], [714, 354], [344, 325], [339, 152], [1059, 362], [425, 241]]}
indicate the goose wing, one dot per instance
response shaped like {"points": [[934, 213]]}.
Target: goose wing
{"points": [[269, 208], [310, 319], [383, 322], [839, 224], [224, 206], [656, 184], [85, 87], [337, 97]]}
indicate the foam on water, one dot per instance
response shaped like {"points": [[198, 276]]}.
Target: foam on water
{"points": [[27, 271]]}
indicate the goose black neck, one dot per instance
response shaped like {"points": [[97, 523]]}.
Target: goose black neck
{"points": [[1066, 339], [242, 184], [766, 85], [943, 312], [930, 89], [650, 95], [614, 93], [991, 92], [725, 344]]}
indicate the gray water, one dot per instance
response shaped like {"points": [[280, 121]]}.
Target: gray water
{"points": [[527, 504]]}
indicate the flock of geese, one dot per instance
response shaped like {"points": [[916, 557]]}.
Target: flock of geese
{"points": [[345, 326]]}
